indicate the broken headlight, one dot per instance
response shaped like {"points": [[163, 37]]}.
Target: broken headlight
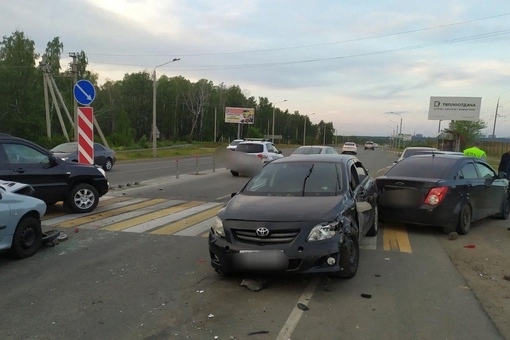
{"points": [[217, 227], [324, 231]]}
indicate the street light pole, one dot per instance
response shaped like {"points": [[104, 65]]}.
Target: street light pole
{"points": [[154, 127], [274, 108], [304, 129]]}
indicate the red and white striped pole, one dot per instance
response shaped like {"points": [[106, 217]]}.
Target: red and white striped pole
{"points": [[85, 135]]}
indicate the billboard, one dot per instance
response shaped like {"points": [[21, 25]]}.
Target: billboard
{"points": [[239, 115], [455, 108]]}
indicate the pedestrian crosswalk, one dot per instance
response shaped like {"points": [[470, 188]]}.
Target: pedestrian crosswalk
{"points": [[177, 217], [139, 215]]}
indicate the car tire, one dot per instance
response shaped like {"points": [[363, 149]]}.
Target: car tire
{"points": [[82, 198], [27, 238], [349, 257], [234, 173], [505, 209], [108, 164], [375, 226], [464, 220]]}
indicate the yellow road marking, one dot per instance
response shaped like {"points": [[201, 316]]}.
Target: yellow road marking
{"points": [[187, 222], [151, 216], [396, 238], [109, 213], [61, 212]]}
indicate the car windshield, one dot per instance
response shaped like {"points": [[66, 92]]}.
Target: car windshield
{"points": [[295, 179], [307, 151], [250, 148], [66, 147], [349, 144]]}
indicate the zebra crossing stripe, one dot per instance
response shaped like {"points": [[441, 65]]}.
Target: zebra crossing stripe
{"points": [[185, 223], [164, 220], [151, 216], [197, 229], [109, 213], [130, 214]]}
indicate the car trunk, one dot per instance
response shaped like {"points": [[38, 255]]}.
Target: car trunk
{"points": [[404, 193]]}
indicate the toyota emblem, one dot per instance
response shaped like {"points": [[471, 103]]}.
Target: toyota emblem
{"points": [[262, 231]]}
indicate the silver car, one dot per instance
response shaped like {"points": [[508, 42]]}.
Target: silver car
{"points": [[20, 222]]}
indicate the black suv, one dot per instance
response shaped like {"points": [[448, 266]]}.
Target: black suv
{"points": [[79, 186]]}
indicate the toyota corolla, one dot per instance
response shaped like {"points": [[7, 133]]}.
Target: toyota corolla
{"points": [[302, 214]]}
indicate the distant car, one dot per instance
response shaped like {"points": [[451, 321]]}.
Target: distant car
{"points": [[258, 153], [233, 145], [448, 191], [350, 148], [301, 214], [315, 150], [20, 222], [103, 156], [412, 150], [369, 145], [79, 186]]}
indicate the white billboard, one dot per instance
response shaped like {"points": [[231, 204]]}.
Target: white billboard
{"points": [[239, 115], [455, 108]]}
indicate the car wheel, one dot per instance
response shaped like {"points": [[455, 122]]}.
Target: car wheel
{"points": [[83, 198], [108, 164], [464, 220], [234, 173], [375, 227], [349, 257], [505, 209], [27, 238]]}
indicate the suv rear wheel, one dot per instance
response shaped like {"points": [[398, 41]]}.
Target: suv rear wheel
{"points": [[82, 198]]}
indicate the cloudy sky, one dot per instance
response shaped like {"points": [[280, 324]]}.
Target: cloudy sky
{"points": [[346, 62]]}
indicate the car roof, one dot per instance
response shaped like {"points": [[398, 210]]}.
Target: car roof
{"points": [[349, 143], [255, 142], [334, 158]]}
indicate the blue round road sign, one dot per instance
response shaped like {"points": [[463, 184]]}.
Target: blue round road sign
{"points": [[84, 92]]}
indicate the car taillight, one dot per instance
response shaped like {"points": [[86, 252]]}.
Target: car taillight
{"points": [[436, 195], [262, 156]]}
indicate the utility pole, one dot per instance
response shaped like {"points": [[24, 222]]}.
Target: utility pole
{"points": [[495, 117], [74, 70]]}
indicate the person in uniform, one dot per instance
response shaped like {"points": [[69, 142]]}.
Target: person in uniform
{"points": [[504, 164]]}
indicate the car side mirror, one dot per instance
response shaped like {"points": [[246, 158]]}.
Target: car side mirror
{"points": [[501, 174], [279, 152]]}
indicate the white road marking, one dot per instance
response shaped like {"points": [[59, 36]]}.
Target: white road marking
{"points": [[295, 315]]}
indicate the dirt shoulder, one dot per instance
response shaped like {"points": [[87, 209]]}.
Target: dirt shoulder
{"points": [[485, 263]]}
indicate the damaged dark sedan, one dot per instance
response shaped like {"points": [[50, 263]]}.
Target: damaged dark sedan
{"points": [[301, 214], [445, 191]]}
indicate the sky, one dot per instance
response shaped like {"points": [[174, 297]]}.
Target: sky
{"points": [[366, 66]]}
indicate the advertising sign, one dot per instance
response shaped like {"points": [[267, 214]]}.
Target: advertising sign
{"points": [[455, 108], [239, 115]]}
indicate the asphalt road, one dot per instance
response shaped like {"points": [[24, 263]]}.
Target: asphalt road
{"points": [[138, 268]]}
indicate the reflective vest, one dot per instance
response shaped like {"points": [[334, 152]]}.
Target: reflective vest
{"points": [[475, 152]]}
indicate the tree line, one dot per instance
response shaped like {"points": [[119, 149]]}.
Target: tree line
{"points": [[186, 110]]}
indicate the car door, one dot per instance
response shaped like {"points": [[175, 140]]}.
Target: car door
{"points": [[99, 154], [370, 187], [361, 195], [495, 188], [5, 217], [473, 187], [30, 165]]}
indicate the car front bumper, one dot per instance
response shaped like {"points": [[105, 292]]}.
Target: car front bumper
{"points": [[294, 257]]}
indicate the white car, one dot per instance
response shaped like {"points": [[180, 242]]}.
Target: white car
{"points": [[249, 156], [315, 150], [233, 145], [20, 221], [350, 147]]}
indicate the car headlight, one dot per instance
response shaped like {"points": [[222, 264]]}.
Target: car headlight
{"points": [[323, 231], [101, 170], [218, 227]]}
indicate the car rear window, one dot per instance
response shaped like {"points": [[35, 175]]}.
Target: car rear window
{"points": [[250, 148], [422, 167], [307, 151]]}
